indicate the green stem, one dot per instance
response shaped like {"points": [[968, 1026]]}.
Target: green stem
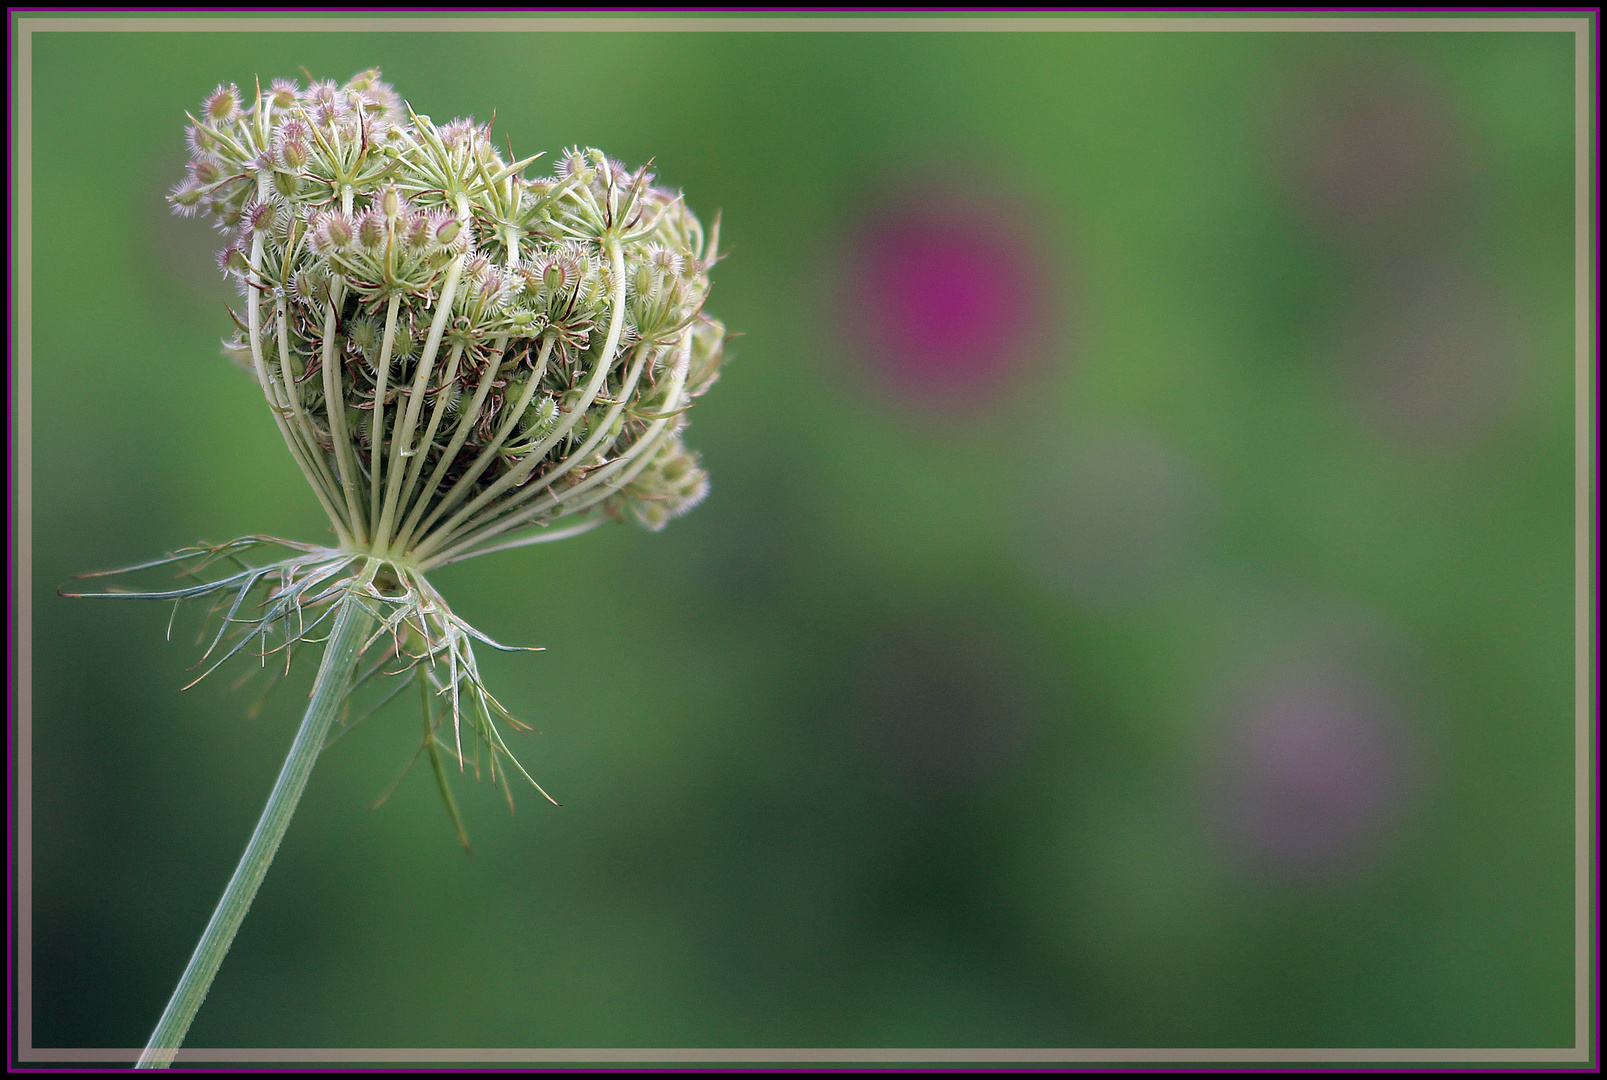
{"points": [[346, 640]]}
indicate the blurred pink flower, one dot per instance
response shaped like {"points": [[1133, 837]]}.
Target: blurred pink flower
{"points": [[1310, 771], [945, 296]]}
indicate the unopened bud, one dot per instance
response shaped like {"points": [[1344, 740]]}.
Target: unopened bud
{"points": [[205, 171], [333, 232], [292, 155], [259, 217], [371, 230], [223, 104], [283, 93], [186, 198], [446, 231], [232, 260]]}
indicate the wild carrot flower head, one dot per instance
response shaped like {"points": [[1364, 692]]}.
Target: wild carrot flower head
{"points": [[454, 351], [457, 357]]}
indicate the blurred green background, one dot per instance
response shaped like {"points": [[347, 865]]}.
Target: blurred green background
{"points": [[1191, 666]]}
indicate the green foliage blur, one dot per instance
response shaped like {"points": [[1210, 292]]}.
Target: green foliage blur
{"points": [[1193, 670]]}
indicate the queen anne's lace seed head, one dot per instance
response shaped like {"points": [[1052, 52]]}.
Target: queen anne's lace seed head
{"points": [[457, 357], [503, 351]]}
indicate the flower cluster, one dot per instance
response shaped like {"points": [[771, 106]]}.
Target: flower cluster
{"points": [[452, 351]]}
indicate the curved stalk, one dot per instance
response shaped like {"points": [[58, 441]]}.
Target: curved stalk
{"points": [[546, 536], [335, 409], [466, 423], [630, 464], [330, 690], [302, 427], [575, 457], [415, 403], [376, 442], [254, 329], [510, 240], [518, 511], [410, 488], [515, 476], [463, 485]]}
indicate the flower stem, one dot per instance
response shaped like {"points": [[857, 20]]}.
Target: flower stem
{"points": [[330, 690]]}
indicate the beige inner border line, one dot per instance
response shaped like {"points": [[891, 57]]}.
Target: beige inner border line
{"points": [[1584, 459], [22, 457], [1584, 524], [805, 24]]}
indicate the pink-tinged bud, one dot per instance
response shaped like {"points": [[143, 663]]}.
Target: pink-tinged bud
{"points": [[230, 211], [559, 275], [309, 287], [295, 128], [284, 93], [259, 217], [186, 198], [445, 229], [292, 155], [644, 282], [414, 229], [340, 229], [333, 232], [232, 260], [458, 133], [665, 261], [320, 92], [493, 287], [205, 171], [378, 93], [202, 142], [572, 163], [371, 229], [223, 104]]}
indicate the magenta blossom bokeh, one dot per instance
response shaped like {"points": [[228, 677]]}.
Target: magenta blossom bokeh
{"points": [[945, 297]]}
